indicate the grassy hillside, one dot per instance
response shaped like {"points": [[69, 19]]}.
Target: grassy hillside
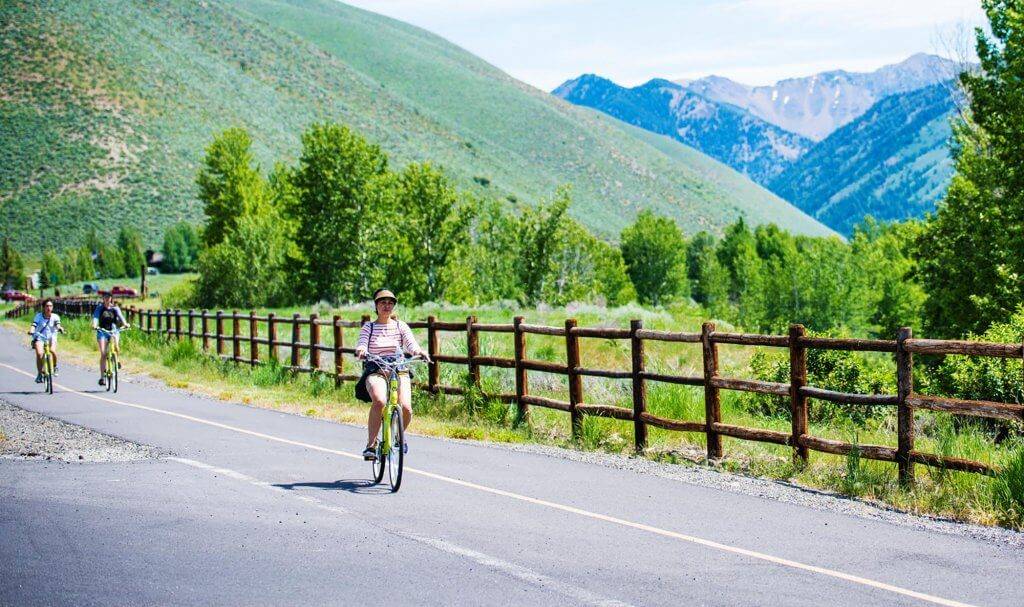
{"points": [[892, 163], [106, 108]]}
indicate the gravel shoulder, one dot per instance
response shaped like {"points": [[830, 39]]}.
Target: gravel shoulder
{"points": [[25, 435]]}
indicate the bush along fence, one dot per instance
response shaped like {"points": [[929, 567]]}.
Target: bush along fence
{"points": [[305, 356]]}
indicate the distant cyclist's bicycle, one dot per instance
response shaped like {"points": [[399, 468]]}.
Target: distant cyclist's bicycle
{"points": [[113, 360], [391, 438], [49, 363]]}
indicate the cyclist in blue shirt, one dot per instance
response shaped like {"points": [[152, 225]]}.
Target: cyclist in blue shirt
{"points": [[45, 327], [107, 316]]}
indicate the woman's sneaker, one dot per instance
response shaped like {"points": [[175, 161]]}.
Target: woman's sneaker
{"points": [[39, 378], [103, 381], [370, 454]]}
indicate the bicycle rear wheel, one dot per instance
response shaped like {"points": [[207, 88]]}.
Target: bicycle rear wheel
{"points": [[397, 456], [380, 463]]}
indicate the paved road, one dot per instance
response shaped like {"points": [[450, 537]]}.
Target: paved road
{"points": [[251, 506]]}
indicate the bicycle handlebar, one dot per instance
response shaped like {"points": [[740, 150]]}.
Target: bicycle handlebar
{"points": [[111, 333], [393, 366]]}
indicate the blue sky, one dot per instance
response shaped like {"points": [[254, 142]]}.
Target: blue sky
{"points": [[544, 42]]}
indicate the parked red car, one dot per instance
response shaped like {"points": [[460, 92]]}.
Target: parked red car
{"points": [[119, 291], [12, 295]]}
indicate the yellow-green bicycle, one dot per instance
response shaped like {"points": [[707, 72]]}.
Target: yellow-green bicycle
{"points": [[48, 366], [113, 364], [391, 438]]}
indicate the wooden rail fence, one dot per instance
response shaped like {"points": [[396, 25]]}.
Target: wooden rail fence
{"points": [[169, 324]]}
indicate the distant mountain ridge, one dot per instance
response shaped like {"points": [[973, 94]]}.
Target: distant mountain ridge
{"points": [[884, 150], [729, 134], [892, 163], [817, 105]]}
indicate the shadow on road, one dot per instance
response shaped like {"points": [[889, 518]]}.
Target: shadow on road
{"points": [[360, 485], [25, 392]]}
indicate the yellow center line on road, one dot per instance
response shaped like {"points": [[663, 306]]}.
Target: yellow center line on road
{"points": [[545, 503]]}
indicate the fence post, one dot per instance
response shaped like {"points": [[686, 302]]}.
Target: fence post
{"points": [[433, 349], [191, 323], [712, 402], [169, 312], [254, 348], [149, 321], [639, 386], [572, 357], [797, 401], [204, 318], [159, 322], [296, 337], [522, 380], [236, 337], [339, 357], [472, 350], [220, 332], [314, 342], [905, 416], [177, 325], [271, 337]]}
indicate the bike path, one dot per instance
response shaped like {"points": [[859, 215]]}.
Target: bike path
{"points": [[486, 523]]}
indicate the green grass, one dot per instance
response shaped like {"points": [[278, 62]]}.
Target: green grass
{"points": [[107, 108], [958, 495]]}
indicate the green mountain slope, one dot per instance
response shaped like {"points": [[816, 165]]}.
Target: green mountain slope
{"points": [[893, 163], [106, 108]]}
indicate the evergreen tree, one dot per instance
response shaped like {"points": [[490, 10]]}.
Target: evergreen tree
{"points": [[129, 243], [50, 272], [12, 266]]}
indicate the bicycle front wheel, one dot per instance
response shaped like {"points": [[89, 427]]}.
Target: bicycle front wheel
{"points": [[397, 455], [49, 373], [381, 462], [113, 376]]}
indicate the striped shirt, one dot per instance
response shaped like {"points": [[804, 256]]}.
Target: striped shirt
{"points": [[386, 338]]}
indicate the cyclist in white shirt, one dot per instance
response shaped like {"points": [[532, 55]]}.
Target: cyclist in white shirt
{"points": [[45, 327]]}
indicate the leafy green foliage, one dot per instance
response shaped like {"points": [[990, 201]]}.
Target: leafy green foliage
{"points": [[434, 225], [836, 370], [654, 251], [340, 185], [985, 378], [971, 255], [181, 247]]}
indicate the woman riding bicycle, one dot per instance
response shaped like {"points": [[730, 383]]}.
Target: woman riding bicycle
{"points": [[384, 337], [45, 327], [107, 320]]}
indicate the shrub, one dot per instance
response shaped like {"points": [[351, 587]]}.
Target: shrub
{"points": [[829, 369], [985, 378]]}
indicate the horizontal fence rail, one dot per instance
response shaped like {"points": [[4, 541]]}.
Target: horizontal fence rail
{"points": [[304, 339]]}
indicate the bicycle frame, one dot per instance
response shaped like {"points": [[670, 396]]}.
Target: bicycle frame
{"points": [[392, 369]]}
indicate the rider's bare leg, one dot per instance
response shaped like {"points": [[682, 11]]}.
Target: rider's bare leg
{"points": [[377, 386], [38, 345], [103, 356]]}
